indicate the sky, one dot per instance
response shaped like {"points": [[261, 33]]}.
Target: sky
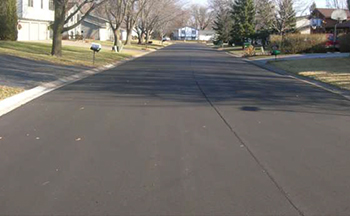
{"points": [[320, 3]]}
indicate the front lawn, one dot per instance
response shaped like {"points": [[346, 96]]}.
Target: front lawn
{"points": [[335, 71], [71, 55], [8, 91]]}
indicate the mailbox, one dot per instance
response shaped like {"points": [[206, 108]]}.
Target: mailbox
{"points": [[96, 47]]}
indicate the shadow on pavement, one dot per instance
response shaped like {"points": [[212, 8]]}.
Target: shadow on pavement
{"points": [[168, 78]]}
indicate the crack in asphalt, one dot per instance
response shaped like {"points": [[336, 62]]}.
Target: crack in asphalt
{"points": [[274, 181]]}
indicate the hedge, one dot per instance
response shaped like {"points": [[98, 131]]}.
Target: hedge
{"points": [[8, 20], [344, 43], [298, 43]]}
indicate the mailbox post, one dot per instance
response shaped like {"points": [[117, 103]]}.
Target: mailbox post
{"points": [[95, 47]]}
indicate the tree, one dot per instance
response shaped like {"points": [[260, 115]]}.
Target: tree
{"points": [[60, 22], [8, 20], [264, 18], [312, 7], [223, 24], [285, 17], [116, 12], [339, 4], [134, 9], [202, 16], [243, 16]]}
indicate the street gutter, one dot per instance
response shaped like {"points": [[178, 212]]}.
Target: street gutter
{"points": [[325, 86], [9, 104]]}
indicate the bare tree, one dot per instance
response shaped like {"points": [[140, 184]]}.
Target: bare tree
{"points": [[61, 20], [134, 9], [116, 12], [285, 17], [339, 4], [202, 16]]}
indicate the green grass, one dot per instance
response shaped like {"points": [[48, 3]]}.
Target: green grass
{"points": [[335, 71], [8, 91], [71, 55]]}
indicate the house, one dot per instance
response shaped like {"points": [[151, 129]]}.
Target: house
{"points": [[186, 33], [34, 18], [206, 35], [321, 21], [303, 25], [92, 27]]}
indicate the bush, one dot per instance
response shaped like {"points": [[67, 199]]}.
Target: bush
{"points": [[8, 20], [249, 51], [344, 43], [298, 43]]}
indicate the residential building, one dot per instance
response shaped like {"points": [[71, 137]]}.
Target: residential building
{"points": [[321, 21], [92, 27], [186, 33], [34, 19], [206, 35], [303, 25]]}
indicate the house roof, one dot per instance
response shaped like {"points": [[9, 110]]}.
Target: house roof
{"points": [[206, 32], [327, 12], [344, 24]]}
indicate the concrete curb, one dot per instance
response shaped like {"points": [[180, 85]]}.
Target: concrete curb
{"points": [[9, 104], [327, 87]]}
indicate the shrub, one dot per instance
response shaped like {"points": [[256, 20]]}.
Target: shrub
{"points": [[249, 51], [298, 43], [344, 43], [8, 20]]}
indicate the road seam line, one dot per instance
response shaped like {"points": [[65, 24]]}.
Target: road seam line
{"points": [[282, 191]]}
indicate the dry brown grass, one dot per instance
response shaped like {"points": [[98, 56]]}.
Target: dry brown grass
{"points": [[335, 71], [9, 91]]}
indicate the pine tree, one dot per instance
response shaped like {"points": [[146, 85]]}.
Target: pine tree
{"points": [[285, 18], [8, 20], [264, 19], [243, 16], [348, 3], [223, 25], [313, 7]]}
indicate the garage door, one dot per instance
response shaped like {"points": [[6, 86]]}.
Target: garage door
{"points": [[23, 33], [34, 31], [43, 31]]}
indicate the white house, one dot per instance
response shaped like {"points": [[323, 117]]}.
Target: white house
{"points": [[303, 25], [206, 35], [186, 33], [34, 17], [92, 27]]}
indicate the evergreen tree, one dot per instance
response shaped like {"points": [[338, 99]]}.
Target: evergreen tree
{"points": [[348, 4], [223, 25], [8, 20], [264, 19], [243, 16], [285, 18], [313, 7]]}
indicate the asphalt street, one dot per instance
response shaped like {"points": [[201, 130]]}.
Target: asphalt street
{"points": [[186, 130]]}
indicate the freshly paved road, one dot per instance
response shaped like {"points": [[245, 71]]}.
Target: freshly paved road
{"points": [[183, 131]]}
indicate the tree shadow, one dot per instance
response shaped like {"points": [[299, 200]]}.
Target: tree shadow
{"points": [[179, 79]]}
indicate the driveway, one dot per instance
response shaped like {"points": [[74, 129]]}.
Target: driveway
{"points": [[25, 73], [186, 130]]}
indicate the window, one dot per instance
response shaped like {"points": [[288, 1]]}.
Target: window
{"points": [[30, 3], [42, 4], [194, 32], [51, 5]]}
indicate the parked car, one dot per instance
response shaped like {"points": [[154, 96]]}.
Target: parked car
{"points": [[166, 39]]}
